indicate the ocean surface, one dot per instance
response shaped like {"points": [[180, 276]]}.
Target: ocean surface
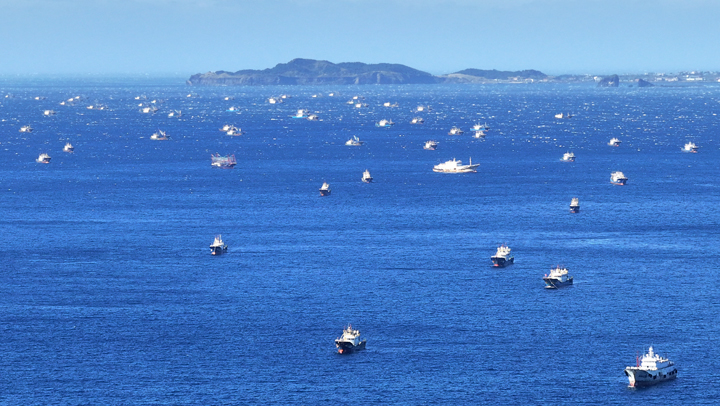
{"points": [[109, 294]]}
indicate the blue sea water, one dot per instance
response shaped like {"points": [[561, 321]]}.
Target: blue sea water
{"points": [[109, 294]]}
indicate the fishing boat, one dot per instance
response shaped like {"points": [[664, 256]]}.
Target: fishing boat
{"points": [[423, 108], [226, 161], [148, 109], [175, 113], [69, 148], [325, 189], [479, 134], [218, 246], [557, 278], [384, 123], [160, 135], [430, 145], [455, 166], [568, 157], [479, 127], [456, 131], [350, 341], [563, 115], [614, 142], [618, 178], [366, 176], [417, 120], [300, 114], [43, 159], [274, 100], [575, 205], [502, 257], [234, 131], [313, 117], [354, 142], [233, 109], [650, 370], [26, 129], [49, 112], [690, 147], [225, 128]]}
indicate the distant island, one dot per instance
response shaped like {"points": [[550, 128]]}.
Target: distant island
{"points": [[314, 72]]}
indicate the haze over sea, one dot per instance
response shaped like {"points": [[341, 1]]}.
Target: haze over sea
{"points": [[110, 295]]}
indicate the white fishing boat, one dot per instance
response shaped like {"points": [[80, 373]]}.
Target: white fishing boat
{"points": [[575, 205], [423, 108], [456, 131], [354, 142], [417, 120], [430, 145], [233, 109], [43, 159], [49, 112], [234, 131], [160, 135], [388, 104], [455, 166], [313, 117], [614, 142], [366, 176], [69, 148], [218, 246], [384, 123], [223, 161], [149, 109], [503, 257], [568, 157], [479, 134], [650, 370], [275, 100], [690, 147], [563, 115], [350, 341], [26, 129], [175, 113], [325, 189], [557, 278], [479, 127], [301, 114], [618, 178]]}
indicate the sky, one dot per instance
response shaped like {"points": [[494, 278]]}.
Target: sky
{"points": [[183, 37]]}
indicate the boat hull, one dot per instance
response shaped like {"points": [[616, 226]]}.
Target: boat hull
{"points": [[552, 283], [218, 250], [367, 180], [348, 348], [574, 209], [641, 378], [620, 182], [324, 193], [501, 262]]}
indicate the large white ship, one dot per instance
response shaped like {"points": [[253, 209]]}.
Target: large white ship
{"points": [[455, 166], [650, 370]]}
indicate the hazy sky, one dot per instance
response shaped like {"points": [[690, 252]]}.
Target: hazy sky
{"points": [[438, 36]]}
